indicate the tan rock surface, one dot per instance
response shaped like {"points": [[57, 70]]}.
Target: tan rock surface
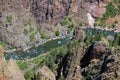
{"points": [[46, 73], [9, 70]]}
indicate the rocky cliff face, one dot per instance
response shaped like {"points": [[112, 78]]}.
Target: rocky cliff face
{"points": [[53, 11], [71, 69], [105, 68], [45, 72], [23, 22], [95, 62], [99, 64], [9, 70], [16, 22]]}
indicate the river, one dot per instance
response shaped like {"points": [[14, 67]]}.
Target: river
{"points": [[36, 51]]}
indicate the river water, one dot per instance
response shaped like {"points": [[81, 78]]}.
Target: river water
{"points": [[36, 51]]}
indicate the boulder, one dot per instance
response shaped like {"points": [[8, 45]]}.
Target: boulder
{"points": [[97, 11], [98, 49]]}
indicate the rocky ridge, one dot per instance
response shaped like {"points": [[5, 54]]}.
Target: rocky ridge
{"points": [[95, 62]]}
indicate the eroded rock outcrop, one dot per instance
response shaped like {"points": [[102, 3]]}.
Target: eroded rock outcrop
{"points": [[98, 49], [53, 11], [97, 11], [93, 53], [71, 68], [9, 70], [107, 67], [46, 73]]}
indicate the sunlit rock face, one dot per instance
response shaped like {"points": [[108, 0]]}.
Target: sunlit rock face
{"points": [[46, 74], [9, 70], [96, 11]]}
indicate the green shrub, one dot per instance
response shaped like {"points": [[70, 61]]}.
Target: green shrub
{"points": [[102, 23], [70, 27], [29, 75], [44, 36], [25, 31], [117, 1], [81, 24], [22, 65], [50, 62], [116, 41], [70, 18], [116, 21], [64, 22], [113, 25], [62, 78], [69, 30], [31, 29], [9, 19], [72, 45], [111, 11], [30, 22], [95, 24], [57, 33], [98, 36], [56, 54], [32, 37], [39, 59], [2, 44]]}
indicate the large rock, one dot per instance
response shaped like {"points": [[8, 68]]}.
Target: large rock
{"points": [[14, 70], [97, 11], [46, 73], [98, 49], [9, 70], [94, 53]]}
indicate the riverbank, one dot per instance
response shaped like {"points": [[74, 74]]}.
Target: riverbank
{"points": [[41, 42], [62, 37], [36, 51], [117, 30]]}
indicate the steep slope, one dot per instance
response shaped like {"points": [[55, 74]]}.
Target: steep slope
{"points": [[26, 23], [9, 70]]}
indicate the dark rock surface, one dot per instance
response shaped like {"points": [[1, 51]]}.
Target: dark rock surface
{"points": [[105, 69], [53, 11], [94, 52], [71, 68]]}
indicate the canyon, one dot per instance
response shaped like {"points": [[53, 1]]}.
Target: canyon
{"points": [[59, 40], [26, 23]]}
